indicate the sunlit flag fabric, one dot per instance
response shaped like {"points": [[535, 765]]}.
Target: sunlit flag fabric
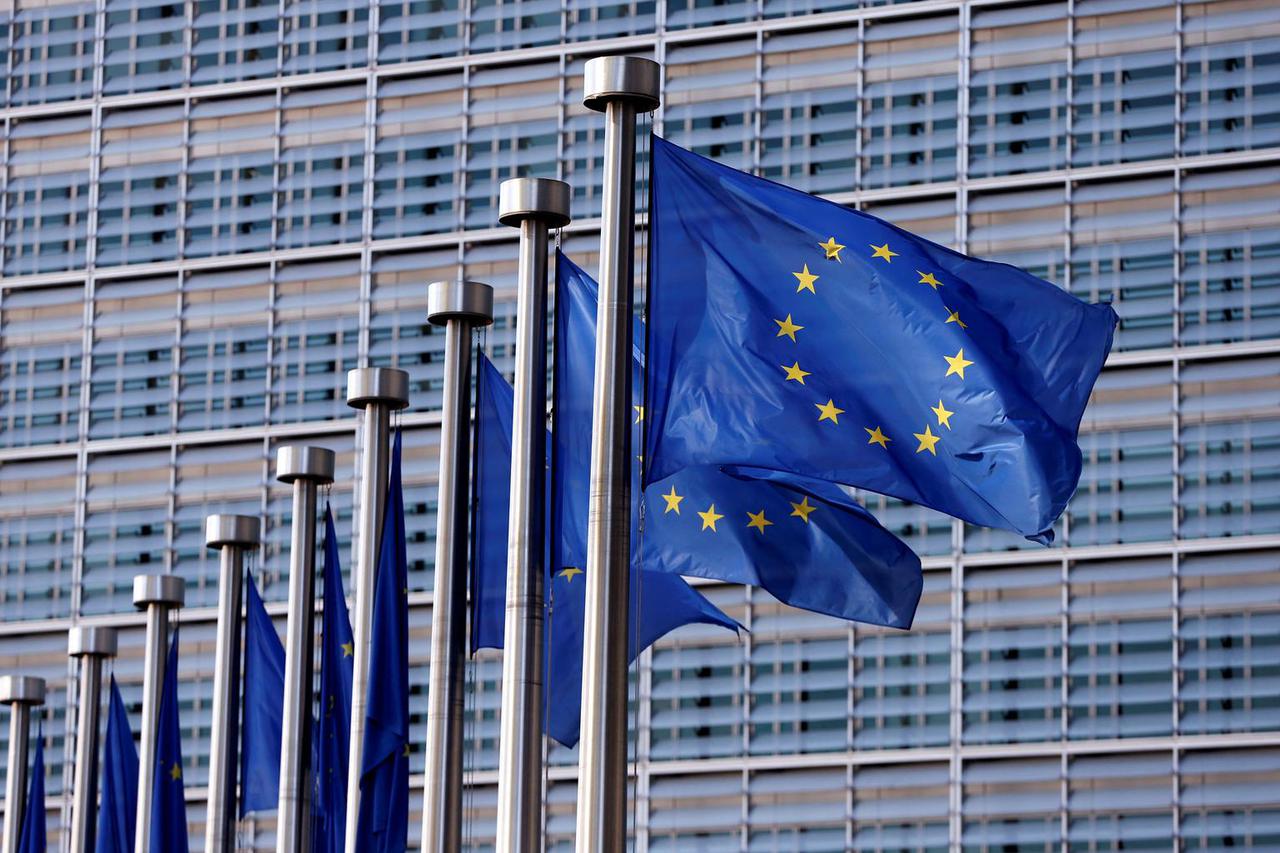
{"points": [[168, 800], [337, 654], [793, 334], [32, 837], [384, 777], [263, 707], [118, 807], [668, 601], [805, 541]]}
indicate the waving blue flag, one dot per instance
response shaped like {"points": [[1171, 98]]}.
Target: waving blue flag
{"points": [[32, 837], [168, 799], [805, 541], [668, 601], [792, 334], [263, 707], [118, 808], [337, 653], [384, 778]]}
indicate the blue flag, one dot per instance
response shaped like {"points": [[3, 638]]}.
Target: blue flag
{"points": [[805, 541], [667, 603], [118, 808], [337, 653], [168, 799], [263, 707], [792, 334], [32, 837], [383, 821]]}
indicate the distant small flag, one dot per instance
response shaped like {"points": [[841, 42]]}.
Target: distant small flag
{"points": [[169, 802], [119, 800], [263, 707], [337, 655], [32, 838]]}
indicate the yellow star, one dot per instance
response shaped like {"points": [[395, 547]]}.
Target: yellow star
{"points": [[673, 501], [788, 328], [830, 412], [175, 772], [832, 248], [877, 437], [802, 509], [570, 573], [406, 750], [944, 417], [710, 517], [929, 279], [639, 413], [883, 252], [758, 521], [348, 650], [956, 364], [794, 372], [954, 317], [927, 440], [806, 280]]}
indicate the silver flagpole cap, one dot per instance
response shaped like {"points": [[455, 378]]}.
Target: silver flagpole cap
{"points": [[295, 462], [95, 640], [366, 385], [21, 690], [159, 589], [625, 78], [459, 300], [242, 530], [533, 198]]}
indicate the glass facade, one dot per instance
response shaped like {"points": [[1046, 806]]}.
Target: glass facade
{"points": [[210, 210]]}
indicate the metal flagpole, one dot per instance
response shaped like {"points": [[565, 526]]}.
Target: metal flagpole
{"points": [[233, 535], [620, 87], [379, 391], [158, 595], [459, 307], [534, 205], [21, 693], [306, 468], [92, 645]]}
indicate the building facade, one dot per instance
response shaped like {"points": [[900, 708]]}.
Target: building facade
{"points": [[211, 209]]}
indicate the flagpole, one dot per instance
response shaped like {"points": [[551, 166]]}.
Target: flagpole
{"points": [[21, 693], [232, 535], [306, 468], [92, 645], [379, 391], [620, 87], [158, 595]]}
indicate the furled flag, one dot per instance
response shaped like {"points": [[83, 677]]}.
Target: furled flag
{"points": [[118, 808], [263, 707], [168, 799], [383, 821], [668, 602], [32, 838], [805, 541], [337, 653], [793, 334]]}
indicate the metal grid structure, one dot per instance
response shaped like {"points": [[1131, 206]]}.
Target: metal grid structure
{"points": [[212, 208]]}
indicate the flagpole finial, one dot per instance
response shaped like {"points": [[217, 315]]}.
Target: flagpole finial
{"points": [[91, 641], [384, 385], [169, 590], [544, 199], [627, 78], [243, 531], [21, 690], [296, 462], [459, 300]]}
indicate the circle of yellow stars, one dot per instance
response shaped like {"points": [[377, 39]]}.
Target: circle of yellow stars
{"points": [[711, 519], [788, 327]]}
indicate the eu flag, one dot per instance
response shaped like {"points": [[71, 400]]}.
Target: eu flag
{"points": [[668, 602], [337, 653], [805, 541], [384, 777], [792, 334], [168, 800], [118, 808], [32, 836], [263, 707]]}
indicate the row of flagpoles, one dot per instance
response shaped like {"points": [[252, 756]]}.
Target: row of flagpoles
{"points": [[619, 87]]}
